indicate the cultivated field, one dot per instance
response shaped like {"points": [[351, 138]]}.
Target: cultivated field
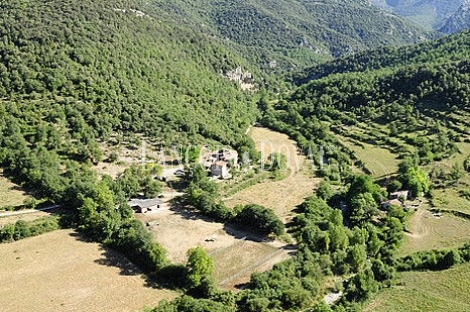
{"points": [[426, 232], [59, 272], [10, 193], [235, 264], [284, 195], [443, 291], [178, 230], [380, 161]]}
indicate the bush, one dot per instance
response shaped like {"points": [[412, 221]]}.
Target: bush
{"points": [[259, 219]]}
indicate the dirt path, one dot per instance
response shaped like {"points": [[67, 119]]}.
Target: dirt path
{"points": [[284, 195], [26, 211], [417, 229]]}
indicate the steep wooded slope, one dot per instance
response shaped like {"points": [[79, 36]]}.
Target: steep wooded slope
{"points": [[411, 97], [286, 33], [108, 67]]}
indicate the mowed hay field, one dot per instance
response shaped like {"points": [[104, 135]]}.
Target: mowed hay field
{"points": [[179, 230], [443, 291], [284, 195], [239, 261], [425, 232], [59, 272], [380, 161]]}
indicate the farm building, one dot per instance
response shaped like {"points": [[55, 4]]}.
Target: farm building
{"points": [[219, 162], [388, 203], [145, 205], [396, 195], [219, 169]]}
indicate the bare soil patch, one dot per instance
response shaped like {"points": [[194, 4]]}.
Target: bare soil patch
{"points": [[179, 230], [59, 272]]}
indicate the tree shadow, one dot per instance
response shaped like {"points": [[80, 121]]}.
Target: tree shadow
{"points": [[239, 232], [114, 259], [188, 213]]}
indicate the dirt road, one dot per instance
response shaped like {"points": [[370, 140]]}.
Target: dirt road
{"points": [[284, 195]]}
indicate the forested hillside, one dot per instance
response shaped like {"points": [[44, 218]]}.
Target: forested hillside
{"points": [[286, 33], [450, 48], [98, 68], [384, 96], [78, 76]]}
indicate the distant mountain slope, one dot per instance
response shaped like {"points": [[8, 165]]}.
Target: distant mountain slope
{"points": [[459, 20], [430, 14], [449, 48], [286, 33]]}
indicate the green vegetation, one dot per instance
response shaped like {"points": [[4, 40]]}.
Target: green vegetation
{"points": [[23, 229], [445, 291], [114, 72], [75, 77], [291, 33], [260, 220], [326, 249], [203, 194]]}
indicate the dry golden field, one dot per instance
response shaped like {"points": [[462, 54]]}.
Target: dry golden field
{"points": [[59, 272]]}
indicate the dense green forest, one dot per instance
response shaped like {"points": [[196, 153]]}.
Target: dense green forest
{"points": [[77, 75], [293, 33], [98, 69]]}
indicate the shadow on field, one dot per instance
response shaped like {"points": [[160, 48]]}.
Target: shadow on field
{"points": [[242, 233], [188, 213], [114, 259]]}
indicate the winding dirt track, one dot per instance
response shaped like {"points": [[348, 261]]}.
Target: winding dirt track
{"points": [[417, 227], [284, 195]]}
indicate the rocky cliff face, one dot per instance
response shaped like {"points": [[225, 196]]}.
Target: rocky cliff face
{"points": [[460, 20], [430, 14]]}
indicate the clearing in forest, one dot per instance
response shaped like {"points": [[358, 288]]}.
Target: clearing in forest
{"points": [[10, 193], [236, 258], [380, 161], [284, 195], [58, 271], [426, 231]]}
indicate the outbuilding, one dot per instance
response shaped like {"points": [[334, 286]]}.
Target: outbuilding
{"points": [[145, 205]]}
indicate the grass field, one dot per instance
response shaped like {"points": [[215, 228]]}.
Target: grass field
{"points": [[380, 161], [178, 230], [59, 272], [284, 195], [235, 259], [428, 232], [10, 193], [449, 198], [443, 291]]}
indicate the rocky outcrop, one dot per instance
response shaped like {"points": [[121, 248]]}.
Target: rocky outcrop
{"points": [[244, 78], [460, 20]]}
